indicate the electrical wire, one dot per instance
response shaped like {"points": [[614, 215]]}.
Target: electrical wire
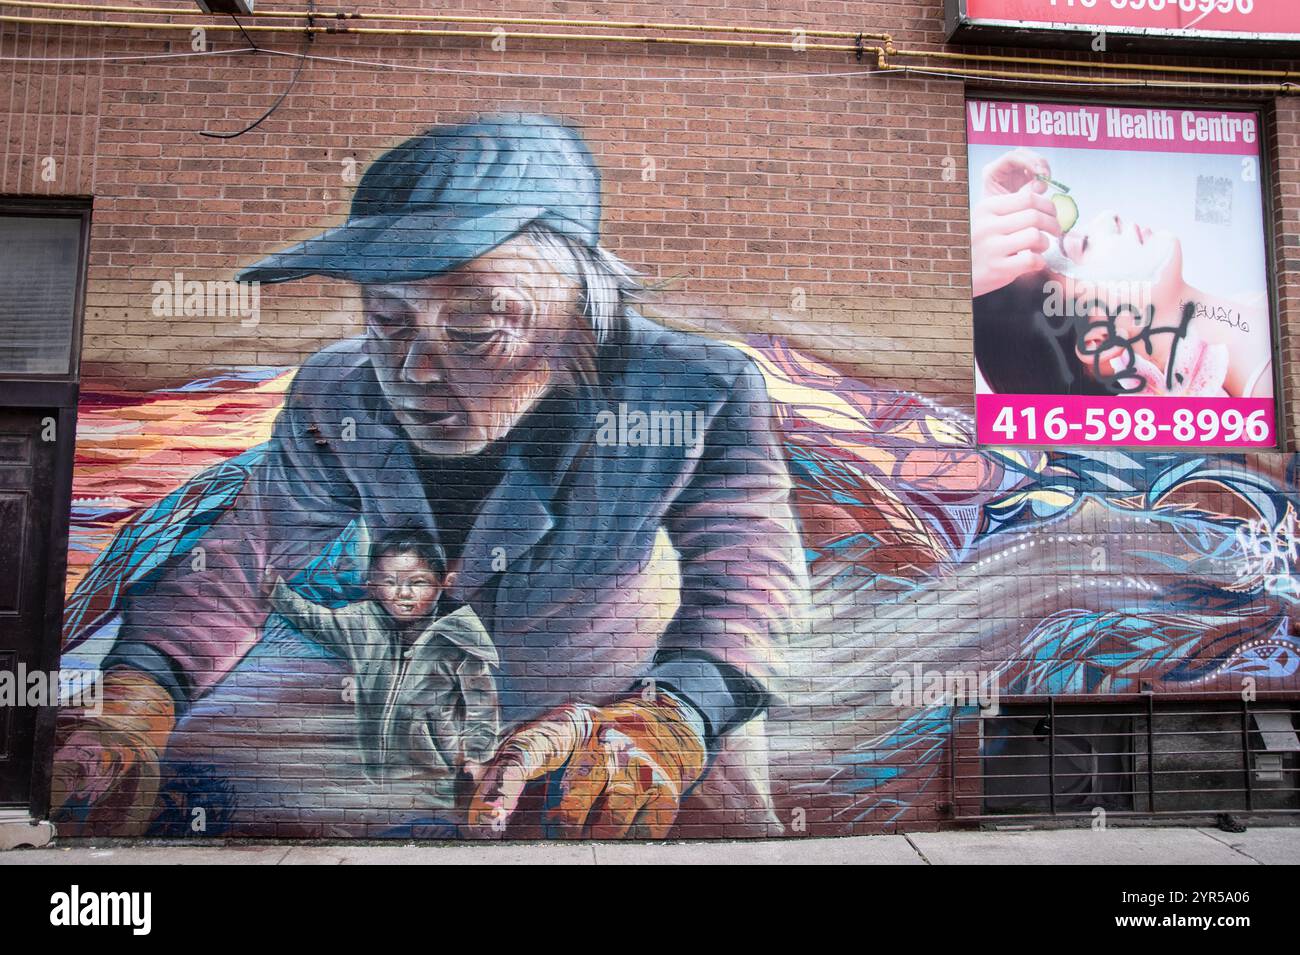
{"points": [[714, 75], [340, 22], [302, 62], [1105, 82], [247, 39], [120, 57], [895, 70], [293, 81]]}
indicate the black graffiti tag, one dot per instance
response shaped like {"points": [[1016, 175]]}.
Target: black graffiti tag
{"points": [[1091, 317], [1223, 315]]}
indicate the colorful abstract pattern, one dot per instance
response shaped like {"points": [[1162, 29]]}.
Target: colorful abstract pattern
{"points": [[921, 547]]}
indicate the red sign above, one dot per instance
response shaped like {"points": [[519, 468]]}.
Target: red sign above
{"points": [[1234, 19]]}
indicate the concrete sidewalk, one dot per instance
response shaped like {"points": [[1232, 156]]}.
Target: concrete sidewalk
{"points": [[1115, 846]]}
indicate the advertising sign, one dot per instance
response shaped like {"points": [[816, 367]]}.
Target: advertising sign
{"points": [[1155, 20], [1119, 276]]}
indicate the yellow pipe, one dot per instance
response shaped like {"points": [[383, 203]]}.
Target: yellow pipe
{"points": [[880, 54], [1055, 61], [445, 18], [692, 27], [484, 34], [1284, 88]]}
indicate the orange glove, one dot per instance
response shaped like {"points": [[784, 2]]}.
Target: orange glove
{"points": [[626, 768], [109, 762]]}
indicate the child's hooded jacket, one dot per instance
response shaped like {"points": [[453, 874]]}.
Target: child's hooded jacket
{"points": [[425, 706]]}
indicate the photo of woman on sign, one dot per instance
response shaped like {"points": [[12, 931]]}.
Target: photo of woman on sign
{"points": [[1102, 304]]}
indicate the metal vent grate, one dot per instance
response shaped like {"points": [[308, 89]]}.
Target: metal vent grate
{"points": [[1138, 757]]}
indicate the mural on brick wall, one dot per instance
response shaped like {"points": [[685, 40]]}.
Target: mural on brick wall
{"points": [[521, 561]]}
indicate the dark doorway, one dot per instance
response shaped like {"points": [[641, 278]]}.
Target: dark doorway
{"points": [[27, 466], [42, 280]]}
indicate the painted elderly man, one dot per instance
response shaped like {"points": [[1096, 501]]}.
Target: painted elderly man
{"points": [[639, 584]]}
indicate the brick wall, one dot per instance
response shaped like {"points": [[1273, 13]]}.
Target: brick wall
{"points": [[810, 215]]}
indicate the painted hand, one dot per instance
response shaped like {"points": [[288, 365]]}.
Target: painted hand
{"points": [[1013, 171], [625, 768], [270, 577], [1009, 234], [106, 766]]}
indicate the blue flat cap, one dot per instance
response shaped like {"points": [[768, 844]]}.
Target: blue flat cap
{"points": [[449, 195]]}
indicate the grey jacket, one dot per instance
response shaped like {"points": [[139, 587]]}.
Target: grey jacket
{"points": [[423, 708], [577, 613]]}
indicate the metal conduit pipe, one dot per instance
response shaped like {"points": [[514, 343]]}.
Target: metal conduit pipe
{"points": [[333, 26]]}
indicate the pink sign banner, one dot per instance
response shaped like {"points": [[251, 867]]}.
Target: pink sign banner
{"points": [[1127, 421], [1115, 128], [1119, 251], [1244, 18]]}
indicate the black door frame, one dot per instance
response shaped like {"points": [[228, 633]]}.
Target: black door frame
{"points": [[58, 394]]}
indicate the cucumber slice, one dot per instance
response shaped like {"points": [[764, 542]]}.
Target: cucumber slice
{"points": [[1067, 211]]}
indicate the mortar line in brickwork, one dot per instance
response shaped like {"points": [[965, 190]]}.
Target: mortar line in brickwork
{"points": [[22, 144], [95, 124], [41, 146], [4, 179]]}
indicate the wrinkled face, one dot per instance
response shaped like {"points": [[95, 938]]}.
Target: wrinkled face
{"points": [[461, 357], [405, 586]]}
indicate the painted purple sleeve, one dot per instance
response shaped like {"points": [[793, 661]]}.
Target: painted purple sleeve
{"points": [[744, 586], [190, 626]]}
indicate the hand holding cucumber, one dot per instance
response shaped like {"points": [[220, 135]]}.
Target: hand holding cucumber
{"points": [[1067, 210], [1013, 226]]}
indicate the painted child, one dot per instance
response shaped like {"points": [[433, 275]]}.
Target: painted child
{"points": [[426, 698]]}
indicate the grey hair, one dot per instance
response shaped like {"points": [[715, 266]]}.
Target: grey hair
{"points": [[606, 284]]}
